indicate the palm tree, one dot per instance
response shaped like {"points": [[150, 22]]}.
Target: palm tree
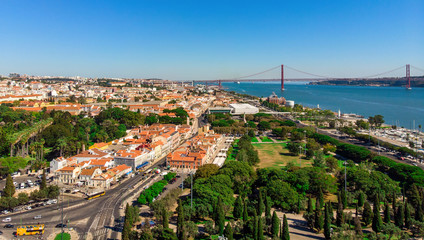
{"points": [[61, 144]]}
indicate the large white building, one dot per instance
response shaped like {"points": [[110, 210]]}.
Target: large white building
{"points": [[243, 108]]}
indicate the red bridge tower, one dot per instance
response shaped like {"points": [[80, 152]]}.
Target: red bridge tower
{"points": [[282, 77]]}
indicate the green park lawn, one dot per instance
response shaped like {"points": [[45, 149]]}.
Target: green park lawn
{"points": [[254, 140], [266, 139], [66, 236], [277, 155]]}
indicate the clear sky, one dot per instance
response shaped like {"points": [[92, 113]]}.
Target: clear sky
{"points": [[209, 39]]}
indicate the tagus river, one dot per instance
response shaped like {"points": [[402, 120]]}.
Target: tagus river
{"points": [[397, 105]]}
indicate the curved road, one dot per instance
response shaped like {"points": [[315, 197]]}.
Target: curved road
{"points": [[96, 216]]}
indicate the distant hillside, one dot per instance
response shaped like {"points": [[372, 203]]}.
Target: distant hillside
{"points": [[389, 82]]}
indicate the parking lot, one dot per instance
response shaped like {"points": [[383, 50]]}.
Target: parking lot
{"points": [[18, 180]]}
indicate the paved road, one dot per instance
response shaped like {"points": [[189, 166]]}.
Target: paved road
{"points": [[97, 217]]}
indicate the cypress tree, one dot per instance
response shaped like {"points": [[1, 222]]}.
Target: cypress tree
{"points": [[268, 206], [9, 188], [344, 198], [408, 219], [321, 198], [127, 223], [126, 231], [228, 232], [319, 219], [180, 220], [399, 218], [394, 203], [331, 211], [261, 206], [414, 196], [220, 216], [386, 213], [361, 199], [238, 208], [255, 227], [376, 220], [165, 218], [419, 213], [260, 229], [286, 233], [245, 215], [310, 209], [340, 215], [275, 225], [327, 223], [367, 214], [422, 209]]}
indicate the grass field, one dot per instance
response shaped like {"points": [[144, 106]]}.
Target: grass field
{"points": [[276, 155], [254, 140], [66, 236], [266, 139]]}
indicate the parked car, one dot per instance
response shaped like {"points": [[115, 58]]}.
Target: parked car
{"points": [[9, 226], [60, 225], [7, 219], [37, 217], [5, 212]]}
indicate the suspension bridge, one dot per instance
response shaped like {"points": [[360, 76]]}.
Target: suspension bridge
{"points": [[254, 77]]}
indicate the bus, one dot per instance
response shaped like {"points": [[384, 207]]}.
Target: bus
{"points": [[30, 230], [147, 172], [95, 195]]}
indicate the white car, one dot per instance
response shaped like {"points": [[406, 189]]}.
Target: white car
{"points": [[37, 217], [7, 219], [5, 212], [28, 208]]}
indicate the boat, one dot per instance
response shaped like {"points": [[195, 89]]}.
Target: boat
{"points": [[237, 82]]}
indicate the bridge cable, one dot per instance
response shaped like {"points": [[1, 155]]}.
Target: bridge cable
{"points": [[419, 69], [379, 74], [311, 74], [251, 75]]}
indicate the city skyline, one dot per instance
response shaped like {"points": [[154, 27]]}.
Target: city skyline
{"points": [[205, 40]]}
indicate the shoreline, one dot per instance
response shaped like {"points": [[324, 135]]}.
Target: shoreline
{"points": [[378, 132]]}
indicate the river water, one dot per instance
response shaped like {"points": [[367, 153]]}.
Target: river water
{"points": [[398, 106]]}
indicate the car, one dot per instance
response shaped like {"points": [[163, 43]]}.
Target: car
{"points": [[5, 212], [7, 219], [28, 208], [1, 233], [60, 225], [37, 217], [9, 226]]}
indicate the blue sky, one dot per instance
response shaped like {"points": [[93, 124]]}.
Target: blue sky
{"points": [[209, 39]]}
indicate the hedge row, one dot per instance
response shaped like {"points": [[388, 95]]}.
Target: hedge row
{"points": [[169, 176], [152, 192]]}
